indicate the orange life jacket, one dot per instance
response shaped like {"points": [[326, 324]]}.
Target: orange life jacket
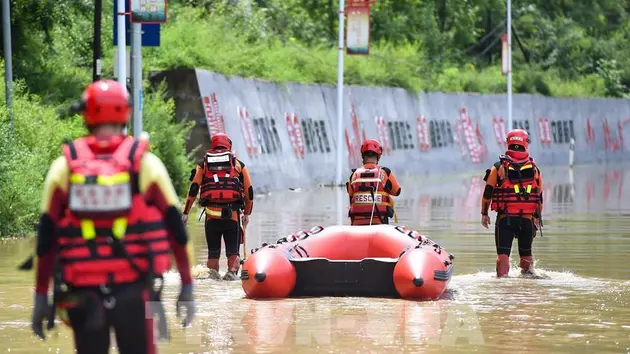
{"points": [[109, 234], [517, 192], [366, 185], [220, 183]]}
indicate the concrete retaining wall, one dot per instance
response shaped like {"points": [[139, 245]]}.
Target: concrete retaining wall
{"points": [[286, 134]]}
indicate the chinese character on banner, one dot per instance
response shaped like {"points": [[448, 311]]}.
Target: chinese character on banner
{"points": [[590, 132], [247, 129], [422, 132], [544, 131], [294, 130], [358, 27]]}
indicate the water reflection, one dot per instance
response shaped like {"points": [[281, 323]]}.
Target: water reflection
{"points": [[584, 189], [345, 323], [483, 314]]}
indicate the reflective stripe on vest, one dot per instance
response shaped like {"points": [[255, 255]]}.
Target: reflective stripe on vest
{"points": [[518, 193]]}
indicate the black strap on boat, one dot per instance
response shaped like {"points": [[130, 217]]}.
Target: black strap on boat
{"points": [[297, 249]]}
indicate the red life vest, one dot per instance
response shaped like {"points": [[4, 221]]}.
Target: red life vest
{"points": [[220, 183], [109, 234], [517, 192], [367, 184]]}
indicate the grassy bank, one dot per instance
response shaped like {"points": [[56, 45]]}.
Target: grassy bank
{"points": [[559, 49], [243, 46], [231, 43]]}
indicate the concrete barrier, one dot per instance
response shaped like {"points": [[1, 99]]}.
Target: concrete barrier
{"points": [[286, 133]]}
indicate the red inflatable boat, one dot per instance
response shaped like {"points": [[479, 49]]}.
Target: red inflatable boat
{"points": [[377, 260]]}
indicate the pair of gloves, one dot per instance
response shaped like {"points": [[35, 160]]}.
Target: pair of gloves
{"points": [[41, 309]]}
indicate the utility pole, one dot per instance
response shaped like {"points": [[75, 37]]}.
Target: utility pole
{"points": [[509, 73], [122, 44], [340, 95], [136, 77], [8, 55], [96, 59]]}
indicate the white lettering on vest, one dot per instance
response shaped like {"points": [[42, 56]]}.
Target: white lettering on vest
{"points": [[366, 198], [100, 198]]}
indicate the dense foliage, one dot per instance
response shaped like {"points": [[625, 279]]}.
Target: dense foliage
{"points": [[564, 48], [560, 48]]}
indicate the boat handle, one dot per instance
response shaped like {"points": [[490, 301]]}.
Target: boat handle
{"points": [[316, 229], [298, 248], [402, 231], [304, 250]]}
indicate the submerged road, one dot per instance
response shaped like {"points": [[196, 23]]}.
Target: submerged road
{"points": [[581, 306]]}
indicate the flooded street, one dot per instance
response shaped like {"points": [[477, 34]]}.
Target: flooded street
{"points": [[582, 304]]}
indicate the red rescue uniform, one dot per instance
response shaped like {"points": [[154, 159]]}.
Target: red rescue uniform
{"points": [[109, 218], [513, 190], [110, 215], [225, 190], [370, 190]]}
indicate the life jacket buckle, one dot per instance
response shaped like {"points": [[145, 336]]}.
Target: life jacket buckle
{"points": [[109, 302], [105, 289]]}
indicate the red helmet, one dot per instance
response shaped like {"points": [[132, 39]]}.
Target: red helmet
{"points": [[518, 137], [105, 101], [220, 140], [373, 146]]}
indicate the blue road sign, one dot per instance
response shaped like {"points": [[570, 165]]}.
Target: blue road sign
{"points": [[150, 32]]}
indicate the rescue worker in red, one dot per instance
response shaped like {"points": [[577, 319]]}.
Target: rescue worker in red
{"points": [[109, 220], [225, 191], [513, 189], [371, 188]]}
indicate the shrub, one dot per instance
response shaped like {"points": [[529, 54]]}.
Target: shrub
{"points": [[168, 137], [26, 155]]}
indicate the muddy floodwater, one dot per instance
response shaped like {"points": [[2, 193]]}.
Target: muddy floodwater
{"points": [[581, 304]]}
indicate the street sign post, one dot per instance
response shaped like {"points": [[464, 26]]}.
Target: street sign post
{"points": [[150, 32], [147, 34]]}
